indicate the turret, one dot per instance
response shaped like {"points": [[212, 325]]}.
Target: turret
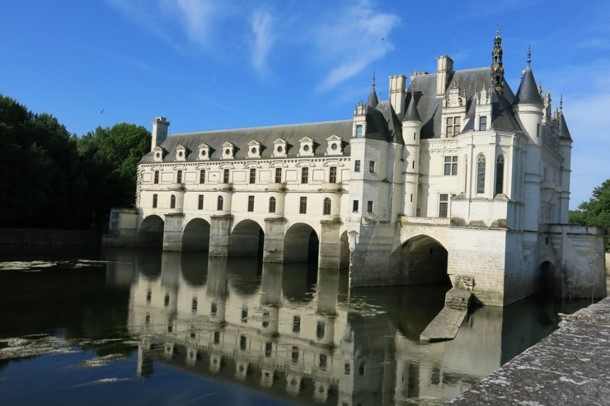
{"points": [[565, 147], [159, 131], [411, 131]]}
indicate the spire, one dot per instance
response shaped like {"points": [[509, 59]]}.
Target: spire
{"points": [[528, 91], [412, 113], [372, 100], [564, 132], [497, 67]]}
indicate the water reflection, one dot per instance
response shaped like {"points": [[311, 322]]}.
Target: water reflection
{"points": [[286, 332]]}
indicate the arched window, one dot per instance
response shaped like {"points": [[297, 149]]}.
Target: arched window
{"points": [[481, 173], [219, 203], [272, 205], [500, 174], [172, 202], [326, 208]]}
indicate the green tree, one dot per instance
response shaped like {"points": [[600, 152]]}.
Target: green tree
{"points": [[596, 211]]}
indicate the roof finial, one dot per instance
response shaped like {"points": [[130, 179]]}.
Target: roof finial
{"points": [[373, 81], [529, 54], [497, 29], [561, 102]]}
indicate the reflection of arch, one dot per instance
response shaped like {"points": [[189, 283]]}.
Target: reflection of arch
{"points": [[344, 251], [422, 260], [244, 276], [545, 276], [301, 244], [151, 231], [246, 240], [196, 236], [194, 268]]}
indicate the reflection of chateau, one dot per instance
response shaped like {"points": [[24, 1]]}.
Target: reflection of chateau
{"points": [[454, 174], [275, 336]]}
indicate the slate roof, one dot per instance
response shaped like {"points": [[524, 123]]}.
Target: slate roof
{"points": [[528, 91], [318, 132]]}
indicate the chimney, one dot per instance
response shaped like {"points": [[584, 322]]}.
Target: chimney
{"points": [[397, 93], [444, 70], [159, 131]]}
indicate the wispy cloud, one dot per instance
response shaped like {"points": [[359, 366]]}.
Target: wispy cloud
{"points": [[356, 36], [261, 22], [197, 17]]}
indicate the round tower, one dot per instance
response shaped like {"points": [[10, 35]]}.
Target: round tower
{"points": [[411, 131]]}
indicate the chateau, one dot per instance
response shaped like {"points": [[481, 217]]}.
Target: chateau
{"points": [[456, 177]]}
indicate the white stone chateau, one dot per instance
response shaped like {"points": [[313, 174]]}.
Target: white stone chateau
{"points": [[456, 175]]}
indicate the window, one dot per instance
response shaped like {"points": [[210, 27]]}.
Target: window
{"points": [[252, 175], [156, 180], [268, 349], [170, 327], [250, 203], [172, 202], [272, 205], [213, 309], [482, 123], [147, 319], [323, 361], [327, 206], [179, 176], [451, 165], [359, 131], [372, 166], [202, 176], [194, 304], [265, 319], [243, 341], [216, 337], [303, 205], [278, 175], [166, 300], [369, 206], [320, 330], [453, 126], [347, 369], [481, 173], [500, 174], [244, 315], [200, 202], [443, 204], [295, 353], [304, 175], [219, 203], [296, 324], [355, 206], [225, 176], [332, 175], [148, 296], [154, 202], [357, 165]]}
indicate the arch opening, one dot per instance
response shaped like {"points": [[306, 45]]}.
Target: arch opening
{"points": [[422, 260], [246, 240], [301, 244], [196, 236], [151, 231], [344, 254], [545, 277]]}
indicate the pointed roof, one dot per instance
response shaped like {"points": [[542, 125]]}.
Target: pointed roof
{"points": [[372, 100], [528, 90], [412, 114]]}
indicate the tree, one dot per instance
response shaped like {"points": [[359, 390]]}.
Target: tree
{"points": [[596, 211]]}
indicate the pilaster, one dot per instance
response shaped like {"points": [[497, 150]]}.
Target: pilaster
{"points": [[172, 232], [220, 230], [274, 239]]}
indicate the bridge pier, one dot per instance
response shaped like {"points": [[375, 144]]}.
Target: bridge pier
{"points": [[274, 239], [172, 232], [329, 255], [220, 230]]}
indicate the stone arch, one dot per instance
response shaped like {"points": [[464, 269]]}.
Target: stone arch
{"points": [[150, 233], [246, 240], [545, 277], [301, 244], [421, 260], [196, 236]]}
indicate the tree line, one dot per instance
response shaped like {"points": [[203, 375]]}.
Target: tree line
{"points": [[52, 179]]}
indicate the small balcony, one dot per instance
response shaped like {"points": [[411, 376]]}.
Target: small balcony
{"points": [[331, 188], [276, 187], [224, 187]]}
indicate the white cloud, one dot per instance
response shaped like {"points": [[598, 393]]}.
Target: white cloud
{"points": [[196, 17], [356, 36], [261, 23]]}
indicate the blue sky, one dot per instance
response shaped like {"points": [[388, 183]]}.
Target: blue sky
{"points": [[210, 64]]}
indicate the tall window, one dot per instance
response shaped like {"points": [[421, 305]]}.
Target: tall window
{"points": [[272, 205], [371, 166], [482, 123], [295, 353], [332, 175], [154, 203], [225, 176], [451, 165], [369, 206], [250, 203], [179, 176], [296, 324], [355, 206], [200, 203], [202, 176], [219, 203], [252, 175], [172, 202], [304, 175], [357, 165], [481, 173], [327, 206], [303, 205], [278, 175], [323, 361], [156, 180], [320, 327], [453, 126], [359, 131], [500, 174], [443, 205], [268, 349], [243, 342]]}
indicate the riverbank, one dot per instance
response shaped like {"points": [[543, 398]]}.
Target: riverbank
{"points": [[570, 366]]}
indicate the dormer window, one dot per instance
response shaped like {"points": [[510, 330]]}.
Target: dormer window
{"points": [[158, 154], [204, 152], [454, 126], [483, 123], [279, 148], [334, 145], [181, 153], [228, 150], [254, 149], [306, 146]]}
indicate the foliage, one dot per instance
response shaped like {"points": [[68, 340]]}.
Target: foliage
{"points": [[596, 211], [51, 179]]}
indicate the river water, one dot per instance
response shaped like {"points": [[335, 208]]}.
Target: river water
{"points": [[141, 327]]}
